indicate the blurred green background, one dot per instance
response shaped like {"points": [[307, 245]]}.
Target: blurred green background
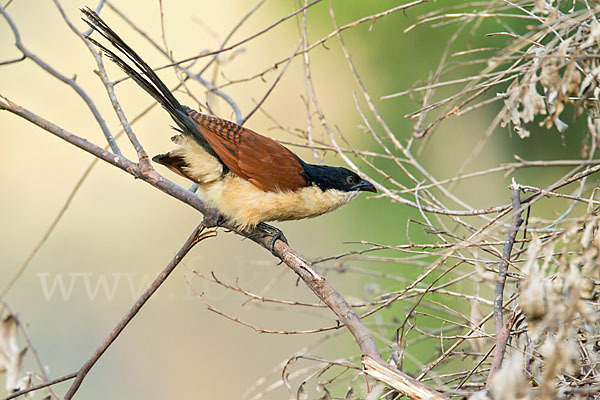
{"points": [[123, 231]]}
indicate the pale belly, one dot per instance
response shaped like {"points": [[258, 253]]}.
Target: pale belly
{"points": [[246, 205]]}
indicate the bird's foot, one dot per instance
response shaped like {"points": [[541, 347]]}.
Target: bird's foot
{"points": [[213, 220], [272, 231]]}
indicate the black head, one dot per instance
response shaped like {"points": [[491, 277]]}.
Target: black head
{"points": [[326, 178]]}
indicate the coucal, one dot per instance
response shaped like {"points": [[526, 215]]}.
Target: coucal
{"points": [[249, 178]]}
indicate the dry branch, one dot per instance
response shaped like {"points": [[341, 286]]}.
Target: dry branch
{"points": [[502, 329]]}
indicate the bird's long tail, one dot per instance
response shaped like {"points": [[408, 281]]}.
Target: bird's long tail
{"points": [[146, 78]]}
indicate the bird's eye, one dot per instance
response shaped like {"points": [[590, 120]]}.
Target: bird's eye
{"points": [[351, 180]]}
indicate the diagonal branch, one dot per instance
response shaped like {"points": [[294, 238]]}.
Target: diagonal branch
{"points": [[373, 364], [191, 241]]}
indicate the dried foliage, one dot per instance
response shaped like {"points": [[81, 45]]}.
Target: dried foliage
{"points": [[550, 62], [11, 354], [554, 351]]}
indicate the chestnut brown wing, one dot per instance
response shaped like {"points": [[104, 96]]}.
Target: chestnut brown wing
{"points": [[258, 159]]}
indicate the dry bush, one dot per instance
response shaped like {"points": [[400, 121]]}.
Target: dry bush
{"points": [[545, 73]]}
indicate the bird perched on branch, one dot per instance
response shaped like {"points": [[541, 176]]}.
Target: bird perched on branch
{"points": [[251, 179]]}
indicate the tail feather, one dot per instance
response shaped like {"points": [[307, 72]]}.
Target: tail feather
{"points": [[175, 162], [147, 79]]}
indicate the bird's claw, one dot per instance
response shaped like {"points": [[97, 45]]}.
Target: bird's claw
{"points": [[275, 232]]}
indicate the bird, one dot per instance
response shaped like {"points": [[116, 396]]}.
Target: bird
{"points": [[249, 178]]}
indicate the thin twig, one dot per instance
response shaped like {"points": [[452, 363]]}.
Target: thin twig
{"points": [[268, 92], [41, 386], [501, 333]]}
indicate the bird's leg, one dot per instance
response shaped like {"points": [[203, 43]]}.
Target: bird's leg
{"points": [[275, 232]]}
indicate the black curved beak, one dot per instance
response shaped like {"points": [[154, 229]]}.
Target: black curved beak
{"points": [[364, 186]]}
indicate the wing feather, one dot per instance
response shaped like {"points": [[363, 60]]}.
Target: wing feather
{"points": [[260, 160]]}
